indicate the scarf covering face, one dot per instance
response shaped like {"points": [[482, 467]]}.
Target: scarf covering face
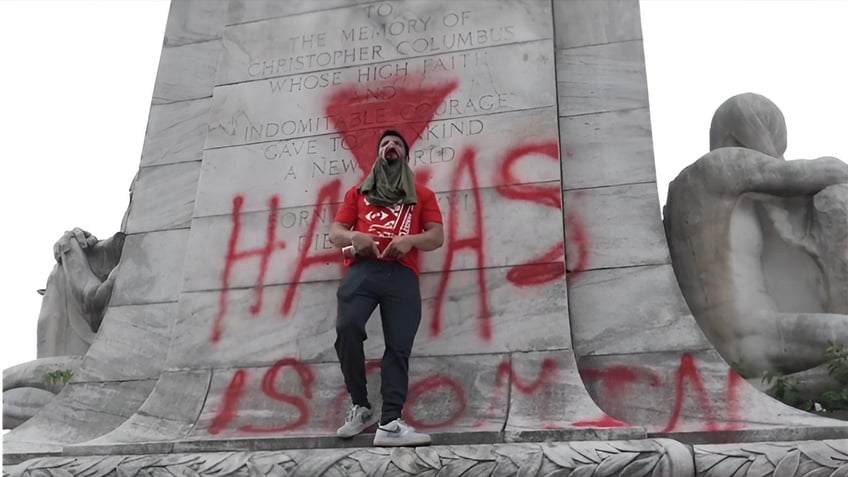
{"points": [[390, 182]]}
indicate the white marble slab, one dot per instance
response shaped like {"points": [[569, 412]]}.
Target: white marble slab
{"points": [[512, 147], [79, 413], [150, 268], [601, 78], [176, 132], [513, 232], [595, 22], [646, 304], [546, 392], [498, 79], [243, 11], [186, 72], [616, 226], [168, 413], [163, 197], [193, 21], [375, 33], [520, 318], [131, 343], [607, 149]]}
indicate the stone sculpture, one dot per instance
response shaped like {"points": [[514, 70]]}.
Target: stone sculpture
{"points": [[760, 244], [75, 300]]}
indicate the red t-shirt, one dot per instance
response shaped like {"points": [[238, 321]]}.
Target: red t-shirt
{"points": [[388, 222]]}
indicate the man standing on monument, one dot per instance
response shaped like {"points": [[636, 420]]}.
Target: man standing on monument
{"points": [[381, 227]]}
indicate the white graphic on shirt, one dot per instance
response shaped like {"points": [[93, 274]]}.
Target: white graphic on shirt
{"points": [[389, 221]]}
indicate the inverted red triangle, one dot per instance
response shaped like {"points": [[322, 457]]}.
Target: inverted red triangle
{"points": [[361, 112]]}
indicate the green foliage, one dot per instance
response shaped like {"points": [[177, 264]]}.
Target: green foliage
{"points": [[837, 368], [784, 389], [58, 377]]}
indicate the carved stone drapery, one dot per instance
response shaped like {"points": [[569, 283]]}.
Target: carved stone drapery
{"points": [[651, 458]]}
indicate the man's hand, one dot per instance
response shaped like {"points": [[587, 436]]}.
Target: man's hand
{"points": [[364, 245], [398, 247]]}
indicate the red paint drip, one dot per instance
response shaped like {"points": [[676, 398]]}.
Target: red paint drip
{"points": [[229, 405], [475, 242], [271, 244], [549, 195], [328, 194], [688, 370], [431, 384], [540, 270], [233, 256], [579, 243], [546, 375], [307, 378], [217, 326], [605, 421]]}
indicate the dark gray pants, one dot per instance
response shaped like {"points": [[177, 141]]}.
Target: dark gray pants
{"points": [[395, 288]]}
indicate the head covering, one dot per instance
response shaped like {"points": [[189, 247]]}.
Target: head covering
{"points": [[751, 121], [390, 182]]}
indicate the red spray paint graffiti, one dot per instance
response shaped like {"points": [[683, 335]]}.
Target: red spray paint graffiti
{"points": [[327, 195], [616, 384], [433, 385], [233, 256], [548, 267], [236, 388], [454, 244]]}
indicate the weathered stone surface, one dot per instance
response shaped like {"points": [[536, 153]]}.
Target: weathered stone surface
{"points": [[657, 458], [297, 106], [21, 403], [596, 22], [176, 132], [604, 234], [605, 149], [695, 397], [355, 35], [169, 413], [243, 11], [163, 197], [547, 393], [186, 72], [150, 268], [509, 148], [630, 320], [194, 21], [519, 319], [595, 79], [81, 412], [133, 343]]}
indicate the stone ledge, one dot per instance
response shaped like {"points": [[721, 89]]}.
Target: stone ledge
{"points": [[327, 442], [632, 458]]}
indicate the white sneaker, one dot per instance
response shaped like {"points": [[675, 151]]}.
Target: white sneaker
{"points": [[357, 420], [398, 434]]}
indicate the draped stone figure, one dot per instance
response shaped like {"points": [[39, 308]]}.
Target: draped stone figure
{"points": [[75, 300], [759, 244]]}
